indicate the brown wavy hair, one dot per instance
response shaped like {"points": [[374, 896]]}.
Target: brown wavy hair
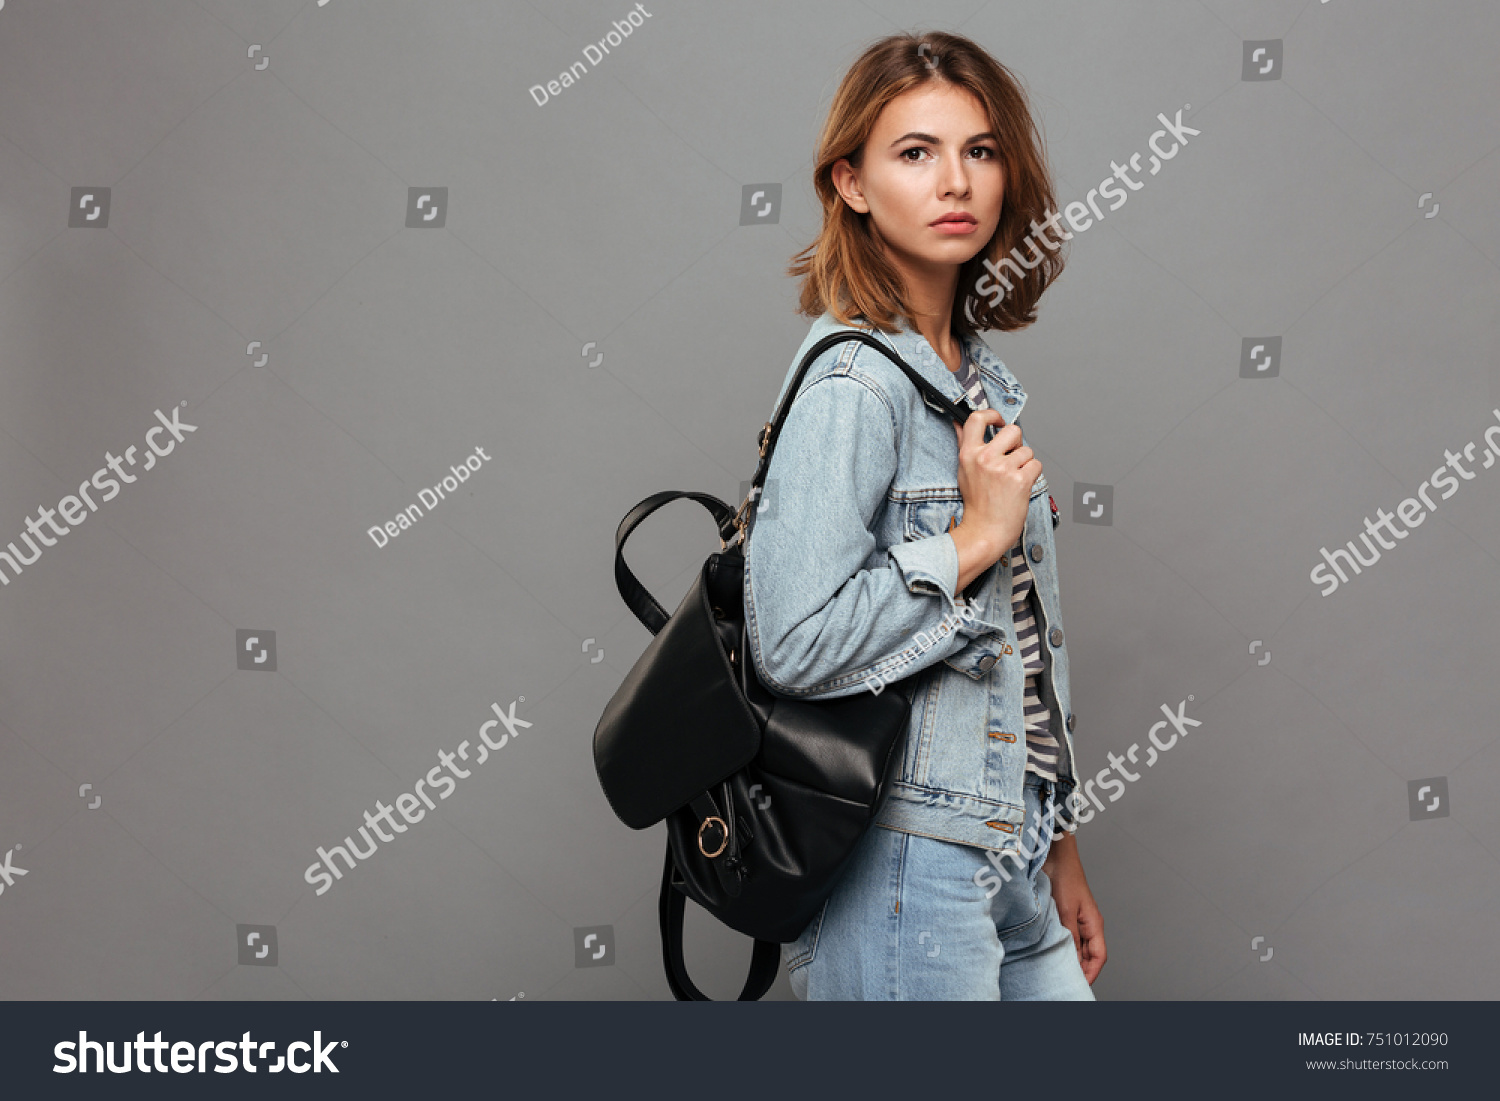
{"points": [[845, 271]]}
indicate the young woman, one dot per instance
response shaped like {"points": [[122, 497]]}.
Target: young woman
{"points": [[894, 544]]}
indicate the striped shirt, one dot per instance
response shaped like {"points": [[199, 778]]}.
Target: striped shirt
{"points": [[1041, 745]]}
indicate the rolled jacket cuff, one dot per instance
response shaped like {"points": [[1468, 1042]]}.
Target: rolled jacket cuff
{"points": [[929, 565], [973, 625]]}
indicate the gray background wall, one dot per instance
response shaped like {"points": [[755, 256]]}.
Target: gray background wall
{"points": [[265, 196]]}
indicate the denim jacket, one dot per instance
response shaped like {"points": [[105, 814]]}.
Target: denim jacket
{"points": [[850, 578]]}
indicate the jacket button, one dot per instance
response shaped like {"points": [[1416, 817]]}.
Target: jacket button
{"points": [[1005, 560], [1036, 552], [1054, 636], [987, 662], [1070, 720]]}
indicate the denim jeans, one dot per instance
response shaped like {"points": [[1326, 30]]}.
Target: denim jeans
{"points": [[907, 922]]}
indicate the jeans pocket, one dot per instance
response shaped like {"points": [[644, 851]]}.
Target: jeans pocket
{"points": [[1043, 850], [799, 953], [1037, 841]]}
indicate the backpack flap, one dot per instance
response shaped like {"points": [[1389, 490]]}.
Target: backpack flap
{"points": [[677, 725]]}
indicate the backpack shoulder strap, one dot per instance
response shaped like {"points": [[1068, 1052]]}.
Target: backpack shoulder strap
{"points": [[764, 962], [934, 397]]}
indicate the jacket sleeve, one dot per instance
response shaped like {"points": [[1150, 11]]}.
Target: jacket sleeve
{"points": [[819, 622]]}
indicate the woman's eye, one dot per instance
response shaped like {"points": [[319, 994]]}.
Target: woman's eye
{"points": [[986, 153]]}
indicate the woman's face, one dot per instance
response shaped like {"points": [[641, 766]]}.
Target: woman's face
{"points": [[930, 155]]}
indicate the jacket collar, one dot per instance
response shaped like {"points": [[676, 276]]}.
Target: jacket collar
{"points": [[999, 383]]}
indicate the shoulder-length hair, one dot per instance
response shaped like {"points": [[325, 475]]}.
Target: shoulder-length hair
{"points": [[845, 270]]}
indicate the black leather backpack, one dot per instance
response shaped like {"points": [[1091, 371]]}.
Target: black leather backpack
{"points": [[764, 796]]}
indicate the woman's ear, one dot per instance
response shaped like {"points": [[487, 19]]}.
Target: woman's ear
{"points": [[846, 182]]}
